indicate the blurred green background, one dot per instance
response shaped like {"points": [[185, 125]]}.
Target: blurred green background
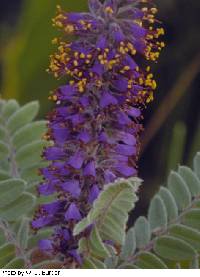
{"points": [[172, 121]]}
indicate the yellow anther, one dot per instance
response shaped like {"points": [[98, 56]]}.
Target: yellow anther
{"points": [[145, 9], [61, 48], [150, 76], [82, 22], [141, 81], [69, 29], [58, 7], [109, 10], [82, 55], [162, 44], [154, 10], [59, 24], [55, 41], [100, 57], [154, 85], [81, 89], [127, 67]]}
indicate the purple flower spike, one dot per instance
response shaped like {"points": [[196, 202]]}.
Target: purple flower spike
{"points": [[95, 127]]}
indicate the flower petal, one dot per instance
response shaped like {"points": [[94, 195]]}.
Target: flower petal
{"points": [[73, 213], [76, 160], [94, 192], [89, 169], [73, 187]]}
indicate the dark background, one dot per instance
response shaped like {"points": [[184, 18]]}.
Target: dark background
{"points": [[172, 121]]}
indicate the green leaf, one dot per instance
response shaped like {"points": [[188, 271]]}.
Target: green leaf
{"points": [[30, 154], [190, 179], [4, 175], [129, 246], [31, 174], [7, 253], [195, 263], [96, 245], [192, 218], [197, 164], [81, 226], [173, 249], [23, 232], [10, 107], [157, 214], [142, 232], [98, 264], [4, 151], [111, 262], [2, 133], [23, 116], [170, 203], [148, 260], [41, 234], [110, 210], [29, 133], [179, 189], [2, 237], [18, 208], [88, 264], [10, 190], [16, 263], [48, 264], [128, 266], [187, 234]]}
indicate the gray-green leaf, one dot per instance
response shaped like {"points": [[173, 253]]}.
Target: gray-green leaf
{"points": [[18, 208], [10, 190], [142, 232], [174, 249], [23, 116], [157, 214], [179, 189]]}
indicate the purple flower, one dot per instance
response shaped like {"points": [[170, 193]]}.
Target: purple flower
{"points": [[73, 187], [45, 245], [76, 160], [94, 192], [89, 169], [107, 99], [95, 126], [73, 213]]}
